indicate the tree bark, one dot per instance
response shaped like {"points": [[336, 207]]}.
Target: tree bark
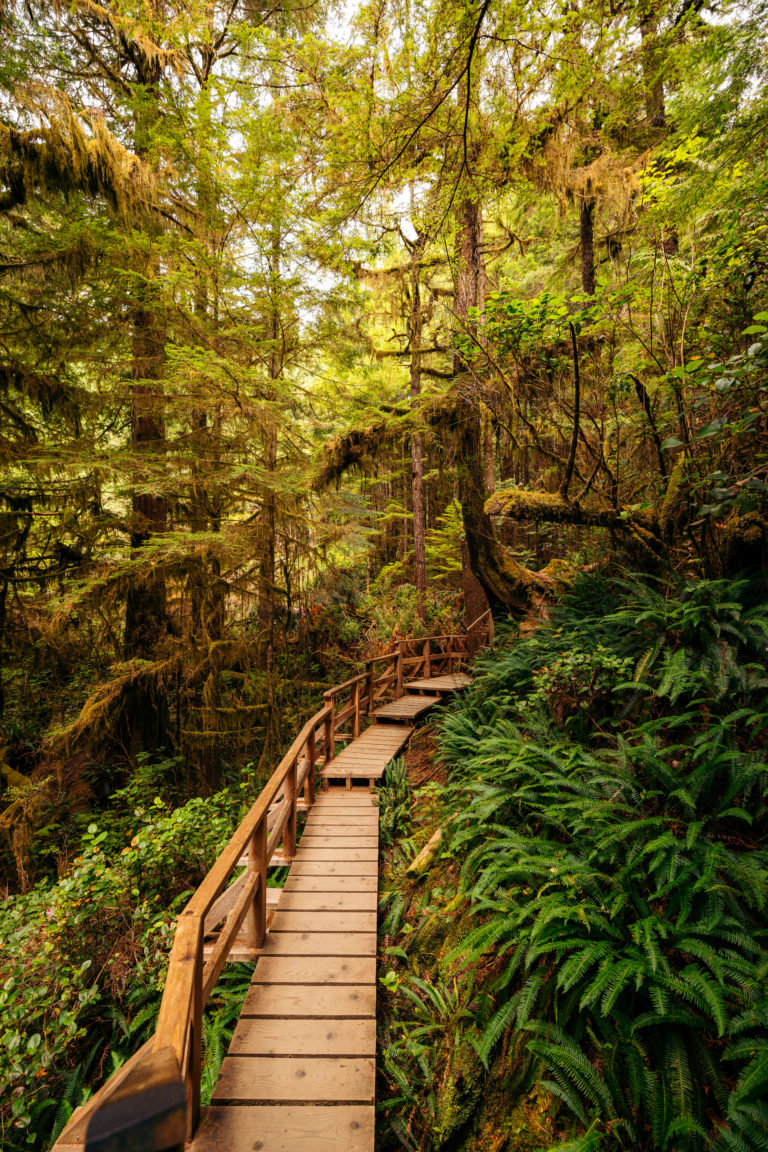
{"points": [[417, 459], [146, 617], [501, 578], [655, 107], [587, 243]]}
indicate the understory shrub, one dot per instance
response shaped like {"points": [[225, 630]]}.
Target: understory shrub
{"points": [[82, 960]]}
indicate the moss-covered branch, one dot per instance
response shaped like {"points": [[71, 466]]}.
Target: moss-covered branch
{"points": [[355, 446], [551, 508]]}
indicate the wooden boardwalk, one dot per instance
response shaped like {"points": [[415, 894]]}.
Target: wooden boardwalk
{"points": [[367, 756], [300, 1070]]}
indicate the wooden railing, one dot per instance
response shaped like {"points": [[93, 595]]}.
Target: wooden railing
{"points": [[153, 1101]]}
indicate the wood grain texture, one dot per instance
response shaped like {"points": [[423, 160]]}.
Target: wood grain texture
{"points": [[308, 1035], [325, 825], [314, 920], [307, 882], [260, 1128], [320, 944], [294, 1079], [302, 899], [315, 970], [347, 800], [331, 840], [453, 683], [313, 867], [311, 853], [326, 1001], [406, 708]]}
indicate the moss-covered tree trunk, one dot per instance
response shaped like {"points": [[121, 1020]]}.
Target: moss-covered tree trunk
{"points": [[417, 458], [501, 578]]}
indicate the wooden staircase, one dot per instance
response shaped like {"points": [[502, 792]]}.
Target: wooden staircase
{"points": [[300, 1071]]}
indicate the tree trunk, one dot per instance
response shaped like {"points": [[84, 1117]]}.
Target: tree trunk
{"points": [[655, 108], [417, 460], [587, 240], [145, 608], [267, 536], [501, 578]]}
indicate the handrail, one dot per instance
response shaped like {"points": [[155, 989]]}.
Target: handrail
{"points": [[173, 1056]]}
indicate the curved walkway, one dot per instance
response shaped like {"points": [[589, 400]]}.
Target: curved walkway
{"points": [[300, 1071]]}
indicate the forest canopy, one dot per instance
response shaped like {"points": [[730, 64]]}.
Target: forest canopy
{"points": [[323, 325]]}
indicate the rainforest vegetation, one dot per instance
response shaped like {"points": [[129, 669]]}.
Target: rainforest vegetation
{"points": [[323, 325]]}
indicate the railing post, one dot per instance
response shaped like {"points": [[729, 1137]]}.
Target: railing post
{"points": [[399, 670], [427, 659], [369, 671], [356, 714], [309, 783], [255, 926], [490, 627], [330, 734], [195, 1058], [289, 831], [450, 655]]}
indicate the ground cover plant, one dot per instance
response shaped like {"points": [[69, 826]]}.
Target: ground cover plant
{"points": [[606, 860]]}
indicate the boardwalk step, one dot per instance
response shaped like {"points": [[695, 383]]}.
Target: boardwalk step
{"points": [[310, 1035], [286, 1129], [294, 1079], [325, 921], [325, 1001], [367, 757], [440, 684], [405, 710]]}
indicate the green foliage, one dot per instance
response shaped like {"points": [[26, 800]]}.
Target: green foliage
{"points": [[443, 544], [82, 960], [577, 682], [395, 806], [617, 873]]}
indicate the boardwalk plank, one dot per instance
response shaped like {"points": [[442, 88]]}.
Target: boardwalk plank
{"points": [[293, 1079], [315, 970], [322, 1000], [312, 840], [340, 854], [351, 798], [331, 882], [324, 921], [299, 899], [453, 683], [320, 944], [310, 1036], [406, 708], [315, 867], [323, 825], [285, 1129]]}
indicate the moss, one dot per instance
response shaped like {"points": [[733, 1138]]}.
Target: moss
{"points": [[745, 542], [674, 501], [529, 1125], [427, 940], [551, 508], [460, 1094]]}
